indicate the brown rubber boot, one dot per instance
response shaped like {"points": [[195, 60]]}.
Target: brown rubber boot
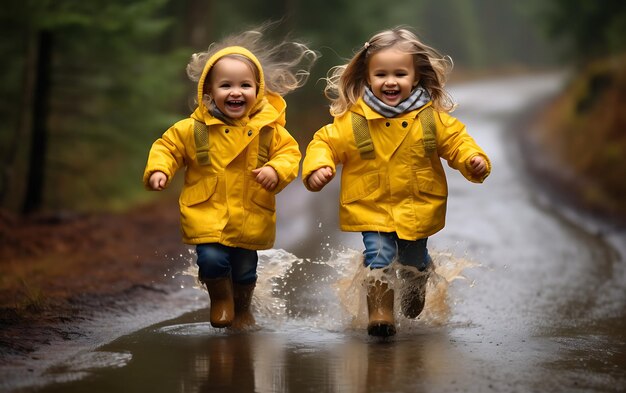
{"points": [[380, 310], [222, 305], [243, 315], [413, 292]]}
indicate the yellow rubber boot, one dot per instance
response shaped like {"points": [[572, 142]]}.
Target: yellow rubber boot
{"points": [[243, 313], [222, 305], [380, 310]]}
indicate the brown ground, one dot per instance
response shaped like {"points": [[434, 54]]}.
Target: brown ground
{"points": [[55, 271], [581, 138]]}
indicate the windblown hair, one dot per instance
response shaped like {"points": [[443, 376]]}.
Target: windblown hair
{"points": [[286, 65], [346, 83]]}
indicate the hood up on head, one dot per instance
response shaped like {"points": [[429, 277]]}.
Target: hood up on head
{"points": [[262, 113], [231, 50]]}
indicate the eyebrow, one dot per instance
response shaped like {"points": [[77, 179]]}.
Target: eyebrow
{"points": [[403, 69], [227, 80]]}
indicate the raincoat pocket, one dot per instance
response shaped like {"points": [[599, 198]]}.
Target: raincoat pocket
{"points": [[259, 226], [427, 184], [263, 198], [199, 192], [360, 188]]}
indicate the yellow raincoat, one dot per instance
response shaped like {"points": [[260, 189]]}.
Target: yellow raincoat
{"points": [[222, 202], [403, 189]]}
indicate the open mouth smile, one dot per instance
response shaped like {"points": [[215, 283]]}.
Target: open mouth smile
{"points": [[235, 104], [391, 94]]}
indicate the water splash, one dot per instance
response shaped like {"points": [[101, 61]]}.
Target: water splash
{"points": [[331, 295], [270, 295]]}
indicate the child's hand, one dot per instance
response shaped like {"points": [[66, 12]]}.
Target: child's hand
{"points": [[320, 178], [157, 181], [267, 177], [478, 166]]}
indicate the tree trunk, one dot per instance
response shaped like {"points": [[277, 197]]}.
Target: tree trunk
{"points": [[197, 23], [35, 178]]}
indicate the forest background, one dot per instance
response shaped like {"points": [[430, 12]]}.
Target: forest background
{"points": [[86, 87]]}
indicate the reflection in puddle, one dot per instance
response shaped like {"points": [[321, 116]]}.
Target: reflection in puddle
{"points": [[294, 360], [83, 364]]}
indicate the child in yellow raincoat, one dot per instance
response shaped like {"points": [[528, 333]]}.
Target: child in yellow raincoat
{"points": [[391, 128], [237, 156]]}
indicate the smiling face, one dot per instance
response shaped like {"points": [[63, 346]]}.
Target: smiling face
{"points": [[233, 86], [391, 75]]}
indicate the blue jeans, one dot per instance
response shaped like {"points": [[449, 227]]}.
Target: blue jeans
{"points": [[216, 260], [382, 248]]}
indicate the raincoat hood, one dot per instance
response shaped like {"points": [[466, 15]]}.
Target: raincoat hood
{"points": [[277, 103], [231, 50]]}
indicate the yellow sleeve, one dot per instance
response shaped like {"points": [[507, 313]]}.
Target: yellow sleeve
{"points": [[284, 157], [322, 152], [457, 147], [167, 153]]}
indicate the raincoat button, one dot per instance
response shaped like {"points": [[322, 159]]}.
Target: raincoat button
{"points": [[387, 124], [227, 130], [404, 124], [249, 132]]}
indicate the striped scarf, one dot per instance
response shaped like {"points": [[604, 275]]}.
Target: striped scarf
{"points": [[418, 98]]}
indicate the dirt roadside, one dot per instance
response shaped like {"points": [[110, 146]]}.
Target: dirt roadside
{"points": [[58, 271]]}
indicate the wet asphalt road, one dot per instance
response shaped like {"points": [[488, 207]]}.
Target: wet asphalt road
{"points": [[542, 310]]}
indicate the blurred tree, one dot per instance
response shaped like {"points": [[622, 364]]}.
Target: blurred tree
{"points": [[478, 34], [99, 80], [92, 82], [586, 122], [591, 29]]}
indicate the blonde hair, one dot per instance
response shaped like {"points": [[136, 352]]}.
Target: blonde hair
{"points": [[286, 65], [346, 83]]}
